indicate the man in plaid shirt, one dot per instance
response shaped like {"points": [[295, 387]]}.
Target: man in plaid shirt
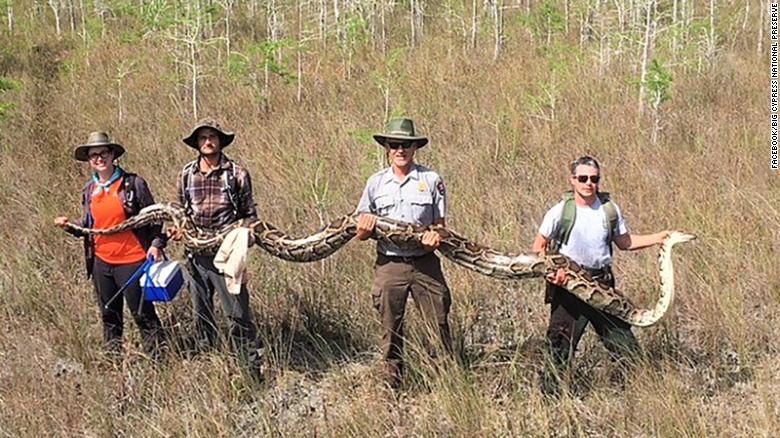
{"points": [[216, 192]]}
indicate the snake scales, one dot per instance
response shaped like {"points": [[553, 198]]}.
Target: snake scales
{"points": [[457, 248]]}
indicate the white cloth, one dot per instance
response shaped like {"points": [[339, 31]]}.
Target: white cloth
{"points": [[231, 259], [587, 244]]}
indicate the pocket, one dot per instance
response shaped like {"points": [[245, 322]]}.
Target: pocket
{"points": [[384, 204], [422, 208]]}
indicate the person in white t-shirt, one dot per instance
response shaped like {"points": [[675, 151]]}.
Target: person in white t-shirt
{"points": [[583, 227]]}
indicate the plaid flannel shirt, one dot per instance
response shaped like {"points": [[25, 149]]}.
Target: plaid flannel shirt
{"points": [[209, 202]]}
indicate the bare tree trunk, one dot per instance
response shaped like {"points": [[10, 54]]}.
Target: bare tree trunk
{"points": [[84, 31], [675, 23], [411, 22], [747, 14], [498, 28], [420, 17], [324, 22], [299, 94], [228, 5], [760, 39], [122, 71], [72, 17], [621, 13], [386, 94], [566, 15], [337, 21], [55, 7], [273, 22], [9, 12], [194, 78], [604, 48], [473, 24], [209, 21], [712, 43], [266, 87], [253, 18], [645, 54], [656, 119], [384, 35]]}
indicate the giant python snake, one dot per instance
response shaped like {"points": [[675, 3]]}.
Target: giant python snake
{"points": [[457, 248]]}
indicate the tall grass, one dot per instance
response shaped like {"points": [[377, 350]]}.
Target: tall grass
{"points": [[710, 368]]}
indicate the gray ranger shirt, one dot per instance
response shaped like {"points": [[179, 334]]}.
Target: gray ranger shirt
{"points": [[418, 199]]}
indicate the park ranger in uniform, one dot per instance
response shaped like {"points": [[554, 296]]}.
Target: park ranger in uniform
{"points": [[411, 193]]}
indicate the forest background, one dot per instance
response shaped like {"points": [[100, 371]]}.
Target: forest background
{"points": [[671, 95]]}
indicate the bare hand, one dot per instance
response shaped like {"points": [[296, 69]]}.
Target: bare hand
{"points": [[558, 278], [365, 226], [430, 240], [174, 233], [663, 235], [155, 253], [61, 221]]}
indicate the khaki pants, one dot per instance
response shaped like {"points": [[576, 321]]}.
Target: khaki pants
{"points": [[395, 278]]}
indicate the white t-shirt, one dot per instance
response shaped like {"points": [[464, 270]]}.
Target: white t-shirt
{"points": [[587, 244]]}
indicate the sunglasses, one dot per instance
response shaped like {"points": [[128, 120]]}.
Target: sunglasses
{"points": [[104, 155], [396, 145], [584, 178]]}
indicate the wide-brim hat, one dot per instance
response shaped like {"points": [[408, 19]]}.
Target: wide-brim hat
{"points": [[400, 129], [225, 137], [96, 139]]}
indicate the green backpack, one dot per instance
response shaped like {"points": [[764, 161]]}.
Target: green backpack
{"points": [[569, 214]]}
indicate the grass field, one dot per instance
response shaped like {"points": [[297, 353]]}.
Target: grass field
{"points": [[692, 156]]}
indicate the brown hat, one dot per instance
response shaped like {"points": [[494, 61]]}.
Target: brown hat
{"points": [[97, 138], [400, 129], [225, 137]]}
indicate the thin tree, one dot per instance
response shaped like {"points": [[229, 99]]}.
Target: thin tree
{"points": [[55, 6], [646, 47], [323, 23], [299, 78], [760, 39], [227, 6], [711, 41], [123, 70], [9, 13], [473, 24], [498, 27], [189, 33]]}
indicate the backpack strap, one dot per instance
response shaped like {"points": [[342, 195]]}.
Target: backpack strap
{"points": [[86, 201], [568, 215], [186, 182], [611, 215], [231, 187], [130, 198]]}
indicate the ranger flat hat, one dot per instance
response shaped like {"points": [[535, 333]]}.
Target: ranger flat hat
{"points": [[225, 137], [97, 138], [400, 129]]}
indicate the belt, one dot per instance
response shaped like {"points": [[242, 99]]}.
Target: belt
{"points": [[401, 259], [604, 273]]}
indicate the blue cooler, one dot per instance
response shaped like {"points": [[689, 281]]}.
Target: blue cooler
{"points": [[161, 281]]}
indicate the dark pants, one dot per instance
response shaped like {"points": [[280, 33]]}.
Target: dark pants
{"points": [[569, 316], [205, 281], [395, 278], [108, 279]]}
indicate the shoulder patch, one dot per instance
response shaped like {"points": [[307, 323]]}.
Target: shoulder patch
{"points": [[440, 187]]}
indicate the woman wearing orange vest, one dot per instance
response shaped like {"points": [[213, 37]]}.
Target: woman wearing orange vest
{"points": [[110, 197]]}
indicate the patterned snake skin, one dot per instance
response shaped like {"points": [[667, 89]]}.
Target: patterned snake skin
{"points": [[496, 264]]}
